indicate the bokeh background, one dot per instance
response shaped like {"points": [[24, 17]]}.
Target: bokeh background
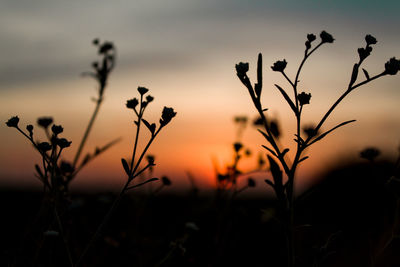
{"points": [[185, 51]]}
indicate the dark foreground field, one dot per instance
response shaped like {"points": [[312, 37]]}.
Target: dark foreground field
{"points": [[346, 220]]}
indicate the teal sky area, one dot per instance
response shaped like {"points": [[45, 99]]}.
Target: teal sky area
{"points": [[185, 52]]}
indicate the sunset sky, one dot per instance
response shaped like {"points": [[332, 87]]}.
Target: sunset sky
{"points": [[185, 52]]}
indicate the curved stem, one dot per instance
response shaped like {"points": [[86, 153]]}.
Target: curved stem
{"points": [[342, 97]]}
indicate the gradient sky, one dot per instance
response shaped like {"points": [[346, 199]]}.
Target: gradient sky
{"points": [[185, 51]]}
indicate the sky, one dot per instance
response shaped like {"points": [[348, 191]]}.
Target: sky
{"points": [[185, 52]]}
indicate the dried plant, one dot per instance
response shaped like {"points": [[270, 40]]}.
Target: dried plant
{"points": [[284, 189]]}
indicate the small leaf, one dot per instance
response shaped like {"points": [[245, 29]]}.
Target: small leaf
{"points": [[354, 74], [366, 74], [86, 159], [265, 135], [126, 166], [39, 171], [276, 172], [286, 150], [108, 145], [302, 159], [287, 98], [299, 139], [151, 127], [258, 85], [145, 182], [146, 123], [257, 89], [270, 150], [269, 183], [326, 133]]}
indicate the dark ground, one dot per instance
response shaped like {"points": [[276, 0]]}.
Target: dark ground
{"points": [[346, 220]]}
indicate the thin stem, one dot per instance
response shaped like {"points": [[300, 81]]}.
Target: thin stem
{"points": [[137, 134], [88, 129], [341, 98], [299, 70], [144, 152], [288, 79]]}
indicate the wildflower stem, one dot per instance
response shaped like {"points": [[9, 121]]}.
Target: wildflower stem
{"points": [[137, 136], [88, 129], [299, 70], [340, 100], [288, 79], [144, 152]]}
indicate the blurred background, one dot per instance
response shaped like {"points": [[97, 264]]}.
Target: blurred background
{"points": [[185, 52]]}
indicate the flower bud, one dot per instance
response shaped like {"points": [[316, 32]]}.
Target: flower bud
{"points": [[44, 146], [311, 37], [44, 121], [63, 143], [326, 37], [304, 98], [166, 181], [149, 98], [251, 182], [370, 39], [57, 129], [105, 47], [242, 69], [237, 146], [370, 153], [279, 65], [167, 115], [13, 122], [392, 66], [132, 103], [142, 90]]}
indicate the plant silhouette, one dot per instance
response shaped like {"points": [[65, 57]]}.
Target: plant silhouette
{"points": [[277, 157]]}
